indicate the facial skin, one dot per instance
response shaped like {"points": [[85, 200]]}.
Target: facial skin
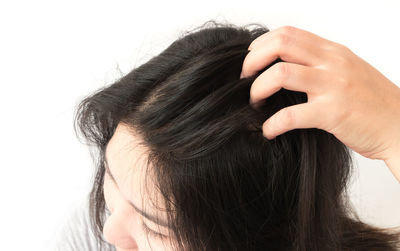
{"points": [[124, 227]]}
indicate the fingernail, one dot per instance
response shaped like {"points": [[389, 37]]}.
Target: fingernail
{"points": [[241, 75]]}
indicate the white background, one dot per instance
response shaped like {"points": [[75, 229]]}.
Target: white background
{"points": [[53, 53]]}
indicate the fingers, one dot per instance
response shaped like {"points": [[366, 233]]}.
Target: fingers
{"points": [[305, 115], [290, 76], [289, 44], [305, 55]]}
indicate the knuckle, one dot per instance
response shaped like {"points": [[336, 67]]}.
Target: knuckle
{"points": [[342, 47], [343, 66], [289, 119], [337, 45], [342, 55], [332, 47], [282, 40], [288, 29], [342, 61], [281, 71], [344, 83]]}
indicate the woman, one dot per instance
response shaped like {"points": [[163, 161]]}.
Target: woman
{"points": [[192, 157]]}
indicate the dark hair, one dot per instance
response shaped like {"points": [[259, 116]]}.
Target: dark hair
{"points": [[226, 186]]}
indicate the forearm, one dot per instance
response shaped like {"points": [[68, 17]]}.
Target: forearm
{"points": [[394, 164]]}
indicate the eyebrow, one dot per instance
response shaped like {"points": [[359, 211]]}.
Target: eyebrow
{"points": [[150, 217]]}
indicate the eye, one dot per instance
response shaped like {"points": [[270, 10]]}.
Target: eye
{"points": [[152, 232]]}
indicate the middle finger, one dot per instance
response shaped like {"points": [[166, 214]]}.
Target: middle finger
{"points": [[290, 76]]}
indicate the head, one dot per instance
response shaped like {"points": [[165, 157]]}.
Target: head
{"points": [[182, 163]]}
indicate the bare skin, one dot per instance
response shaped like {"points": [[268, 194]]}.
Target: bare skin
{"points": [[346, 96]]}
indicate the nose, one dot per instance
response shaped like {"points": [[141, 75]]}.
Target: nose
{"points": [[116, 232]]}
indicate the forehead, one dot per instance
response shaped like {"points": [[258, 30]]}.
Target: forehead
{"points": [[127, 158], [125, 151], [124, 143]]}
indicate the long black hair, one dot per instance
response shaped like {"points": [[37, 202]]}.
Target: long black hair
{"points": [[226, 186]]}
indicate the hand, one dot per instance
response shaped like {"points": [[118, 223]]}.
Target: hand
{"points": [[346, 96]]}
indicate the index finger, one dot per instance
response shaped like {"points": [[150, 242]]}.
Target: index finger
{"points": [[289, 43]]}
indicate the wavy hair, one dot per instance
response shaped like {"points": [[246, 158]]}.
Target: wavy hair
{"points": [[227, 187]]}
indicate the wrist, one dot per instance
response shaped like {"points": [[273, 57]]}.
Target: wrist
{"points": [[393, 162], [393, 158]]}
